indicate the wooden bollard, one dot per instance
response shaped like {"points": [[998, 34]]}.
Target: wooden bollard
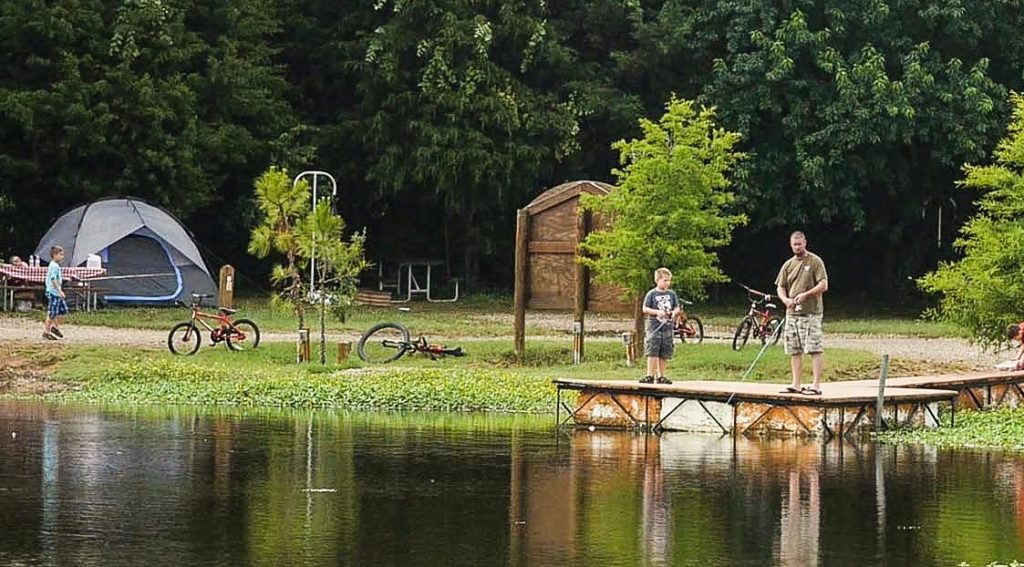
{"points": [[577, 342], [627, 338], [344, 347], [226, 290], [302, 346]]}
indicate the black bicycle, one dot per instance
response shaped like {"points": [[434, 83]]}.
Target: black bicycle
{"points": [[760, 320], [387, 342]]}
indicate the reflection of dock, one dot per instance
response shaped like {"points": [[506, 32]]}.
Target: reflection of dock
{"points": [[728, 407]]}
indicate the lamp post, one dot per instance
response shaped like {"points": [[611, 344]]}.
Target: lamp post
{"points": [[334, 191]]}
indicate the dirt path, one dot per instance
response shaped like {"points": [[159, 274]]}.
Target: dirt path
{"points": [[905, 348]]}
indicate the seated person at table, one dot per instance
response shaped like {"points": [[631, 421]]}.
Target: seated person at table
{"points": [[17, 261], [1016, 333]]}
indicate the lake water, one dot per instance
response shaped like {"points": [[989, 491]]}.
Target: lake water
{"points": [[176, 486]]}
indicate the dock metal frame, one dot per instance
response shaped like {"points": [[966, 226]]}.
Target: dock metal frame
{"points": [[735, 401]]}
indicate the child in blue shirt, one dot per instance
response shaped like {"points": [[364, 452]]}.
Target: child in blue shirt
{"points": [[661, 305], [56, 306]]}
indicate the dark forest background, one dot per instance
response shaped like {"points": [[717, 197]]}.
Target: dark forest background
{"points": [[440, 118]]}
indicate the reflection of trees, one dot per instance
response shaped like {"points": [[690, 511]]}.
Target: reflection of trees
{"points": [[231, 487]]}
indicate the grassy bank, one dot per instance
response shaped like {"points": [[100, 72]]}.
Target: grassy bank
{"points": [[490, 378], [1000, 428]]}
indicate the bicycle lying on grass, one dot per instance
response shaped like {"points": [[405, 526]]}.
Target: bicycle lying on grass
{"points": [[186, 337], [688, 327], [760, 320], [386, 342]]}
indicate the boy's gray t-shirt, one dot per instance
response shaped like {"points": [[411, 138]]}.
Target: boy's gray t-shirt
{"points": [[662, 301]]}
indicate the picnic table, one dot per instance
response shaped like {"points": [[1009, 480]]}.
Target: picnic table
{"points": [[417, 279], [33, 278]]}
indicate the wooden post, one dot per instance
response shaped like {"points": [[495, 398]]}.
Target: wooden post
{"points": [[639, 325], [226, 290], [881, 393], [580, 295], [519, 318], [302, 346], [343, 349]]}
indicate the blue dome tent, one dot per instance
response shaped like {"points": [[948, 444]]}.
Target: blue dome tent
{"points": [[150, 257]]}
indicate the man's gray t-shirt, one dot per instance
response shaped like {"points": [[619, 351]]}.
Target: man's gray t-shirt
{"points": [[662, 301]]}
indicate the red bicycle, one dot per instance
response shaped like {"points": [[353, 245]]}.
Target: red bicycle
{"points": [[186, 338], [688, 327], [760, 320], [385, 342]]}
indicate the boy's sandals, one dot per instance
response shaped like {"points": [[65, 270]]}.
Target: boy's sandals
{"points": [[790, 390], [49, 336], [647, 380], [663, 380], [809, 391], [56, 332]]}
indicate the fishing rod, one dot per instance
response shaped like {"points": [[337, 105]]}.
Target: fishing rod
{"points": [[767, 343]]}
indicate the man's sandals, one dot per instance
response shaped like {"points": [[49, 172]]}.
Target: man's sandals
{"points": [[806, 390]]}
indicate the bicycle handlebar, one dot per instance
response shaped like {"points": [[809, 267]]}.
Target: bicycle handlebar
{"points": [[766, 296]]}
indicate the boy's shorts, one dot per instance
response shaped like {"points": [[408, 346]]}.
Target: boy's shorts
{"points": [[56, 306], [804, 335], [660, 343]]}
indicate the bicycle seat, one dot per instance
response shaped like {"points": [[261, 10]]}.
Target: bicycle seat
{"points": [[227, 311], [771, 306]]}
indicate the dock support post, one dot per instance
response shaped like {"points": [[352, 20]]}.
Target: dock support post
{"points": [[879, 422]]}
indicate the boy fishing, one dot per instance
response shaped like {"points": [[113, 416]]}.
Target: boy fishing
{"points": [[661, 305]]}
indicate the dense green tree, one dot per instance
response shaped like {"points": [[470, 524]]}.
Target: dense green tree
{"points": [[169, 100], [983, 291], [856, 116], [673, 206], [458, 101], [440, 117]]}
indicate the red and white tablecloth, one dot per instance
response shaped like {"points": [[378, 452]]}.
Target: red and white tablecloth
{"points": [[37, 274]]}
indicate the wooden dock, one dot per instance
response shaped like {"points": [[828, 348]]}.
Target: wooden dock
{"points": [[974, 391], [843, 408]]}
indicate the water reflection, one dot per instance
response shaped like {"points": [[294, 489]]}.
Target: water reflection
{"points": [[82, 486]]}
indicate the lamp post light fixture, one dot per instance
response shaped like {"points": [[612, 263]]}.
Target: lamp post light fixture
{"points": [[315, 174]]}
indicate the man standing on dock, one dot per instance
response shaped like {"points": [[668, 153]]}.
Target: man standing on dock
{"points": [[800, 284]]}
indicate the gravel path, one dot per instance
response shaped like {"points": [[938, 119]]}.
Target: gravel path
{"points": [[904, 348]]}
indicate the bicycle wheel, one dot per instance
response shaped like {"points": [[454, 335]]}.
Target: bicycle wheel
{"points": [[770, 331], [184, 338], [243, 335], [742, 334], [383, 342], [692, 330]]}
